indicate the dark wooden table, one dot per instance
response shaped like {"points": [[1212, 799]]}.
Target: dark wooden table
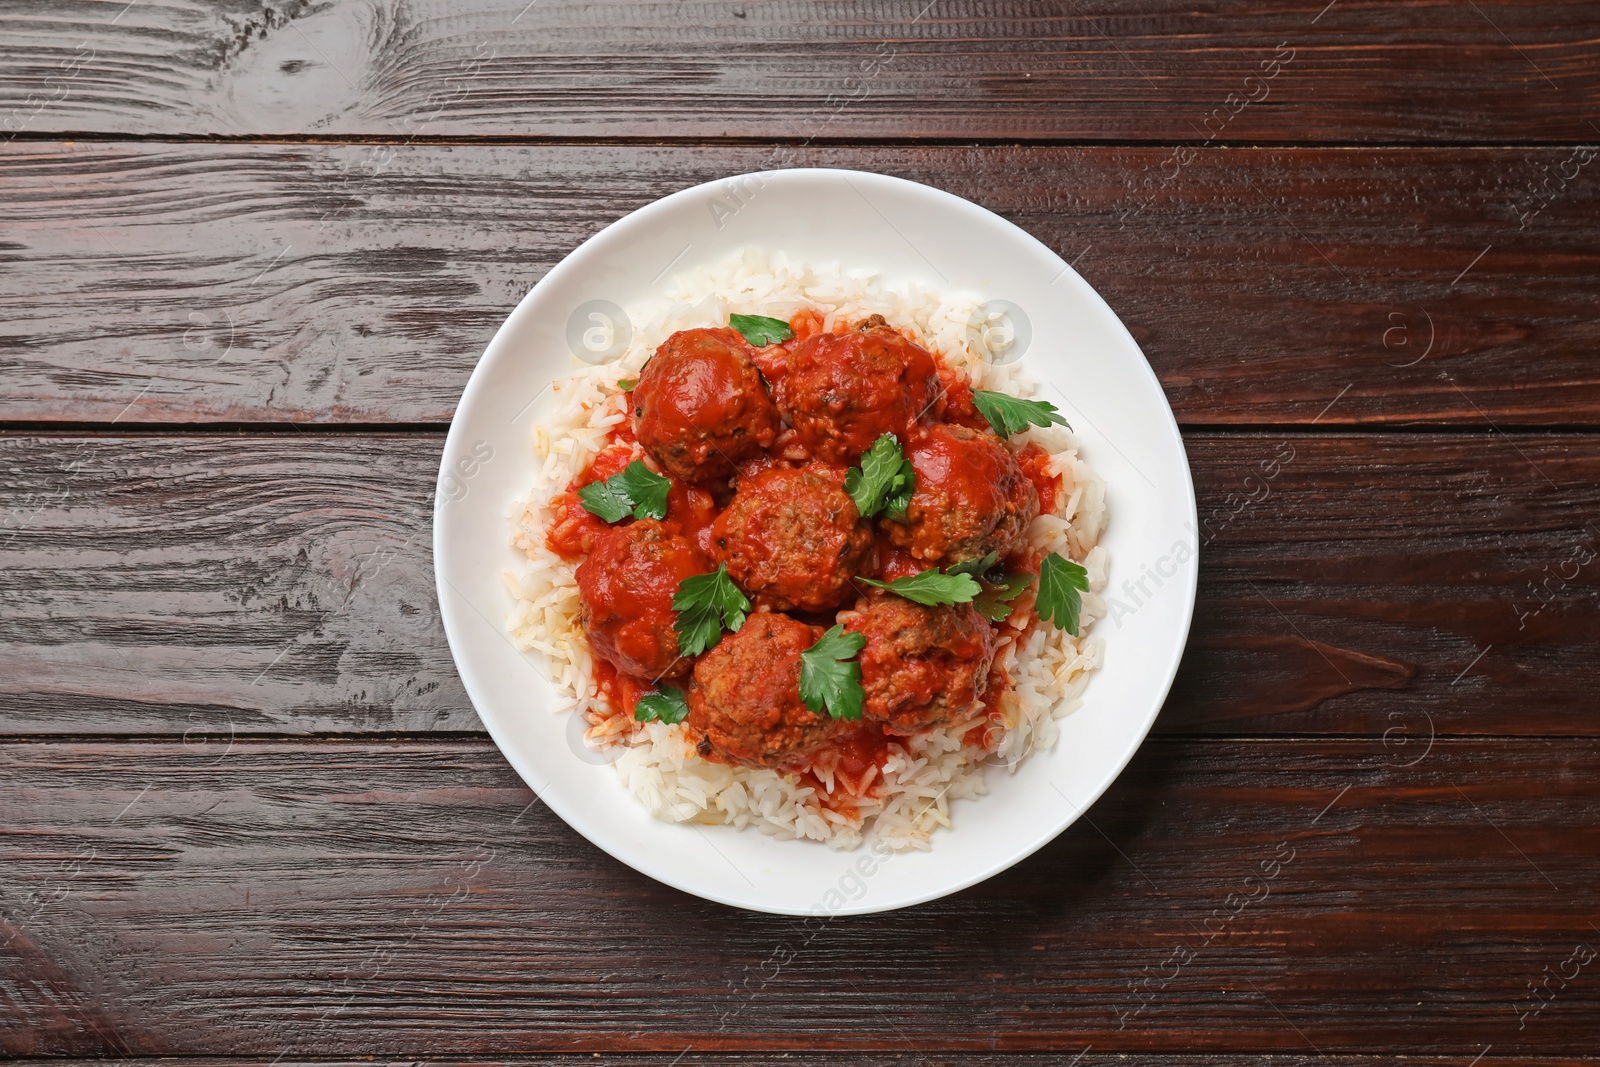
{"points": [[249, 254]]}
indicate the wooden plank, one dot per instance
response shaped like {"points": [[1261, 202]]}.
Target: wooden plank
{"points": [[329, 898], [1400, 586], [337, 284], [1512, 70], [933, 1059], [224, 584], [1397, 586]]}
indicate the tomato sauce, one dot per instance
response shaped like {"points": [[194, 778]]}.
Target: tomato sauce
{"points": [[806, 323], [984, 734], [690, 512], [619, 690], [1035, 463], [867, 747], [957, 406], [857, 758], [752, 467], [895, 562], [572, 534]]}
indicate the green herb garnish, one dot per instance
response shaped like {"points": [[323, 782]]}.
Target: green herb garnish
{"points": [[884, 482], [975, 567], [760, 329], [635, 490], [627, 385], [994, 603], [1061, 585], [704, 603], [599, 498], [829, 677], [932, 588], [666, 706], [1009, 415]]}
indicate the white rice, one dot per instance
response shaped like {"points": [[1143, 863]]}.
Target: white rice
{"points": [[1048, 667]]}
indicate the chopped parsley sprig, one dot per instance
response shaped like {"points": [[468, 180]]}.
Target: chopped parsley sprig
{"points": [[761, 329], [668, 706], [636, 490], [705, 603], [1062, 584], [1009, 415], [999, 588], [995, 602], [884, 482], [933, 588], [975, 567], [829, 676]]}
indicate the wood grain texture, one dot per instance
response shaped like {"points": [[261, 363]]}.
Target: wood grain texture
{"points": [[222, 585], [1397, 586], [1367, 828], [329, 898], [1152, 69], [1087, 1058], [340, 284]]}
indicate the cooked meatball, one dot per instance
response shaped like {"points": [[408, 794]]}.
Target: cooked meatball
{"points": [[700, 406], [844, 390], [921, 666], [627, 585], [972, 497], [792, 538], [744, 699]]}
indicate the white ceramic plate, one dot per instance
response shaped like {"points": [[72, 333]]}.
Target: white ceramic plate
{"points": [[1092, 370]]}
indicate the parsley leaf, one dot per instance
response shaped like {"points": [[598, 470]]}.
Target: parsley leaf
{"points": [[703, 603], [884, 481], [761, 330], [600, 498], [1009, 415], [636, 491], [994, 603], [828, 676], [932, 588], [901, 487], [975, 567], [647, 489], [1061, 585], [667, 706], [627, 385]]}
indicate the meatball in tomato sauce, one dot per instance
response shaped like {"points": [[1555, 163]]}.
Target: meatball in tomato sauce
{"points": [[701, 408], [842, 391], [627, 585], [744, 699], [792, 538], [971, 497], [921, 667]]}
